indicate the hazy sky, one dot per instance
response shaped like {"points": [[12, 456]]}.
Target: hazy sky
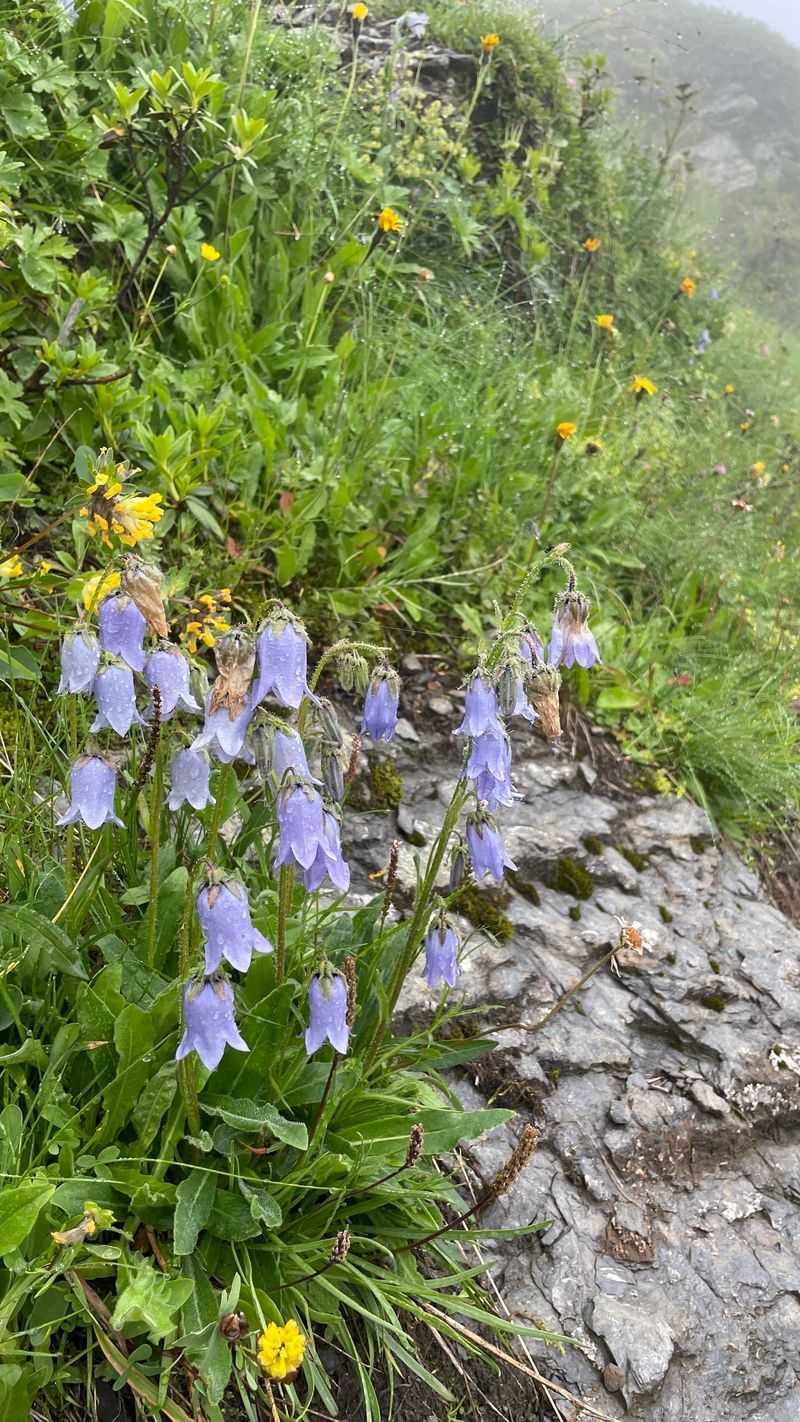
{"points": [[781, 15]]}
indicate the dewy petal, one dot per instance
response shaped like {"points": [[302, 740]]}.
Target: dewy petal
{"points": [[380, 709], [189, 774], [441, 963], [225, 920], [487, 852], [288, 753], [327, 1003], [169, 671], [225, 738], [302, 830], [480, 710], [93, 783], [122, 629], [282, 666], [80, 658], [210, 1025], [116, 701]]}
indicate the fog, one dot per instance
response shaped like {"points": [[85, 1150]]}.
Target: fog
{"points": [[780, 15]]}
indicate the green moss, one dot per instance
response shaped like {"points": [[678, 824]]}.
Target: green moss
{"points": [[386, 782], [639, 861], [482, 909], [526, 891], [666, 916], [698, 845], [593, 844], [715, 1002], [554, 1075], [672, 958], [714, 965], [571, 878], [575, 913]]}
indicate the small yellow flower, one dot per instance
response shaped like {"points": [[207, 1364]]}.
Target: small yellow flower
{"points": [[489, 42], [209, 253], [97, 587], [758, 467], [12, 567], [688, 287], [207, 637], [359, 13], [225, 594], [785, 468], [565, 429], [135, 516], [729, 389], [389, 220], [642, 386], [44, 568], [592, 244], [281, 1350], [744, 426], [605, 321], [209, 601]]}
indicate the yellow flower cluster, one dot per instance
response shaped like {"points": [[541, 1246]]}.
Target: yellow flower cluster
{"points": [[281, 1350], [97, 587], [359, 13], [206, 621], [132, 517]]}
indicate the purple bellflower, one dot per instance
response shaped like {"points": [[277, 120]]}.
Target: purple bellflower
{"points": [[168, 669], [380, 705], [209, 1023], [287, 753], [489, 766], [480, 709], [704, 341], [328, 861], [441, 949], [116, 700], [225, 738], [282, 663], [224, 915], [570, 640], [530, 646], [122, 628], [80, 658], [92, 784], [416, 22], [327, 1013], [301, 825], [486, 848], [189, 775]]}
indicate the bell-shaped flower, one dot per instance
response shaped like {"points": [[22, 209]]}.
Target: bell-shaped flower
{"points": [[328, 862], [480, 709], [489, 766], [301, 825], [209, 1023], [380, 705], [80, 658], [92, 784], [570, 640], [169, 670], [225, 738], [189, 775], [224, 915], [441, 950], [288, 754], [486, 849], [531, 648], [116, 700], [327, 1012], [122, 629], [282, 649]]}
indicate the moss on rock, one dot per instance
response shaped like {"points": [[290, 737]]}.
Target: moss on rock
{"points": [[386, 783], [483, 910], [567, 877]]}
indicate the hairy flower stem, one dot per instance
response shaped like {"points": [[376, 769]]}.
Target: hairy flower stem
{"points": [[576, 987], [285, 883], [154, 826], [323, 1101], [187, 1069]]}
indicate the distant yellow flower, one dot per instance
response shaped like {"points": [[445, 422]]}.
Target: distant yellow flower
{"points": [[744, 426], [11, 567], [225, 594], [688, 287], [642, 386], [209, 253], [44, 568], [389, 220], [489, 42], [281, 1350], [729, 389], [605, 321], [592, 244], [758, 467], [359, 13], [97, 587], [565, 429]]}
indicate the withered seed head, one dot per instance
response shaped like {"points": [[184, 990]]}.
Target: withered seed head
{"points": [[341, 1246], [514, 1166], [233, 1326], [352, 768], [416, 1145], [350, 973], [391, 877]]}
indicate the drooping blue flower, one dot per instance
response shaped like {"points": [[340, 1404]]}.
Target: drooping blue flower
{"points": [[122, 629], [328, 862], [570, 640], [530, 646], [209, 1023], [441, 954], [224, 915], [282, 650], [489, 765], [116, 700], [480, 709], [301, 825], [80, 658], [486, 849], [168, 669], [92, 785], [189, 775], [713, 294], [704, 341], [288, 754], [225, 738], [416, 22], [327, 1009], [522, 706], [381, 704]]}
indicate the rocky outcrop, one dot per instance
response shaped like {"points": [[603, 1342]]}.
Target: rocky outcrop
{"points": [[668, 1091]]}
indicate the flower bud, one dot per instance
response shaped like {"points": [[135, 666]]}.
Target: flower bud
{"points": [[506, 689], [353, 672], [333, 774], [234, 1326], [458, 866], [329, 722]]}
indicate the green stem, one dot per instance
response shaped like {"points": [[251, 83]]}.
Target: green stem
{"points": [[187, 1069], [285, 884], [69, 838], [348, 95], [156, 797]]}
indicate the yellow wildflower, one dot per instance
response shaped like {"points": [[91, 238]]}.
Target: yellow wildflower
{"points": [[592, 244], [389, 220], [207, 637], [44, 568], [281, 1350], [209, 253], [744, 426], [489, 42], [135, 516], [758, 467], [688, 287], [729, 389], [642, 386], [565, 429], [97, 587], [605, 321], [209, 601], [359, 13], [11, 567], [226, 594]]}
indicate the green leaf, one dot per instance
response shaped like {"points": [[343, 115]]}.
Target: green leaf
{"points": [[231, 1218], [22, 114], [152, 1299], [443, 1130], [19, 1211], [57, 952], [194, 1201], [17, 663], [618, 698], [133, 1038], [262, 1205], [11, 406], [154, 1102], [14, 486], [251, 1117]]}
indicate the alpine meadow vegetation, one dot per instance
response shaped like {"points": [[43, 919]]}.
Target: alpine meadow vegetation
{"points": [[325, 338]]}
